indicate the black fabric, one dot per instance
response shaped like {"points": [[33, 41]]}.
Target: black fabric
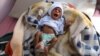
{"points": [[3, 41], [28, 47], [6, 37]]}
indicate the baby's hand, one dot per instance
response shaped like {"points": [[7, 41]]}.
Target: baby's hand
{"points": [[39, 46]]}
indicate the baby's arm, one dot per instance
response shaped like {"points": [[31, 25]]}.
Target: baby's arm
{"points": [[37, 37]]}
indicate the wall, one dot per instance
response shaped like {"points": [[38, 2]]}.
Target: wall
{"points": [[5, 8], [20, 6]]}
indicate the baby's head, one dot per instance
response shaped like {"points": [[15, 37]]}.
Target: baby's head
{"points": [[56, 10]]}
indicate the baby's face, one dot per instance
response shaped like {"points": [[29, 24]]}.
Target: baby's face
{"points": [[56, 13]]}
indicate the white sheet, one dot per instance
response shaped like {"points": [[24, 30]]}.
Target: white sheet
{"points": [[96, 22]]}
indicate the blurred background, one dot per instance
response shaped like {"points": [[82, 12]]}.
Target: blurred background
{"points": [[88, 6]]}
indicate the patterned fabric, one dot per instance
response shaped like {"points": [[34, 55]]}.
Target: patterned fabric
{"points": [[88, 42], [82, 46], [3, 41], [85, 37], [28, 43], [28, 47]]}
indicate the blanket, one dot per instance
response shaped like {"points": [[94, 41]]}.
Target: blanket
{"points": [[79, 40]]}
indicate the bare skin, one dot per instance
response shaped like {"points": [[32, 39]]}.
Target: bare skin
{"points": [[38, 39], [55, 14]]}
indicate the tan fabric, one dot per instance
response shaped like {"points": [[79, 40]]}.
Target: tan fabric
{"points": [[17, 39], [20, 32], [80, 20], [63, 47]]}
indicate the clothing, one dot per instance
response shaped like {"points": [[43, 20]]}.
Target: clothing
{"points": [[28, 47], [57, 25], [32, 20], [89, 43], [54, 5], [46, 38], [85, 38], [3, 41]]}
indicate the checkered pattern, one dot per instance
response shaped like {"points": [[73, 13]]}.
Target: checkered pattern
{"points": [[87, 42]]}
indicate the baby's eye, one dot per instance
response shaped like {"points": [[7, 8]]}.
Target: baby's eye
{"points": [[59, 10]]}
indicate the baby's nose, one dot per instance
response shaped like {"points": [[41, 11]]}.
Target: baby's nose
{"points": [[57, 10]]}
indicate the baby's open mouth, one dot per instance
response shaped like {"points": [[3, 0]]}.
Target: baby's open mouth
{"points": [[56, 15]]}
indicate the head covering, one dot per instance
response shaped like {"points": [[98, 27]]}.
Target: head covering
{"points": [[54, 5]]}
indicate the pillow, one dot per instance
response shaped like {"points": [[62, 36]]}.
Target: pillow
{"points": [[20, 6]]}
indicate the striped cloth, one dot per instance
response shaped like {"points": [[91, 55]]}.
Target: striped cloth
{"points": [[28, 44], [28, 47], [3, 41]]}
